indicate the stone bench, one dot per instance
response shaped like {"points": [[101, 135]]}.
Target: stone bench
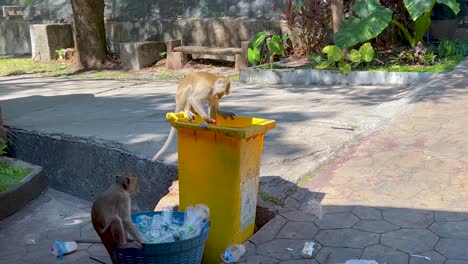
{"points": [[138, 55], [177, 54]]}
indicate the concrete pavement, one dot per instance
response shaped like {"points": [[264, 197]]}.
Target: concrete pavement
{"points": [[313, 122]]}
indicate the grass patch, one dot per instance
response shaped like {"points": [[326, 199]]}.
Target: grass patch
{"points": [[11, 175], [271, 199], [235, 78], [169, 75], [291, 190], [267, 66], [444, 65], [305, 179], [18, 66]]}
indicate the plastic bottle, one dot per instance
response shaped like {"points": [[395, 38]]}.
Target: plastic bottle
{"points": [[233, 253], [164, 237], [194, 217], [59, 248], [167, 218], [156, 220]]}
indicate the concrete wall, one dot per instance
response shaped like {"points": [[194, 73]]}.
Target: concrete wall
{"points": [[14, 36], [83, 168], [154, 9], [205, 32]]}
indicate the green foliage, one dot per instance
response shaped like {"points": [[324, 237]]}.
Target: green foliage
{"points": [[11, 175], [3, 147], [428, 58], [336, 58], [275, 47], [334, 54], [367, 52], [163, 54], [344, 67], [253, 54], [355, 56], [60, 53], [448, 48], [372, 18], [314, 57]]}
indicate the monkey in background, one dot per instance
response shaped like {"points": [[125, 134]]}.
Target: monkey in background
{"points": [[111, 211], [193, 92], [171, 199]]}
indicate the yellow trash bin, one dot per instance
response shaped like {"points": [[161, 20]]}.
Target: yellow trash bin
{"points": [[219, 166]]}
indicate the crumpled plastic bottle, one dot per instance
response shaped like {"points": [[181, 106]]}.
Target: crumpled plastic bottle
{"points": [[59, 248], [233, 253]]}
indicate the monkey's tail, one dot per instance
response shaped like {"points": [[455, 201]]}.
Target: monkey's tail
{"points": [[166, 145]]}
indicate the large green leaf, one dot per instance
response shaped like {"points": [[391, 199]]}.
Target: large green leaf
{"points": [[372, 19], [453, 4], [322, 65], [355, 56], [367, 52], [417, 8], [253, 55], [276, 45], [344, 67], [334, 53], [258, 39]]}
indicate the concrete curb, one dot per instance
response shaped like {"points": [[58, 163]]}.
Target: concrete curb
{"points": [[310, 76], [28, 189], [84, 168]]}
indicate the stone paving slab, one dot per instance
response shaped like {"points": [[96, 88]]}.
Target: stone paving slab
{"points": [[26, 236], [396, 194]]}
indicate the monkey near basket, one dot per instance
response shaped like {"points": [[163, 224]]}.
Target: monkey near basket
{"points": [[189, 251]]}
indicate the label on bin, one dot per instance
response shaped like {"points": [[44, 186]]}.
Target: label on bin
{"points": [[249, 202]]}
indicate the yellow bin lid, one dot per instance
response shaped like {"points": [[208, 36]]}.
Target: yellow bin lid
{"points": [[239, 127]]}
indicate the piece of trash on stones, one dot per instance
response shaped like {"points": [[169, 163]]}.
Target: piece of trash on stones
{"points": [[60, 248], [314, 207], [308, 249], [289, 249], [233, 253], [361, 261], [419, 256]]}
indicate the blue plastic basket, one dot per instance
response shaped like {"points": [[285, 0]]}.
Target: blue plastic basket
{"points": [[188, 251]]}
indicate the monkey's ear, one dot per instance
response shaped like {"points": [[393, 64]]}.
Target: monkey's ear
{"points": [[126, 183]]}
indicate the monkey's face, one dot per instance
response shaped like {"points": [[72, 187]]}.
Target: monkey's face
{"points": [[221, 88], [134, 185], [129, 182]]}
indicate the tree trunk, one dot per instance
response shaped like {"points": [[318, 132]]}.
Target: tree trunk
{"points": [[337, 10], [90, 34]]}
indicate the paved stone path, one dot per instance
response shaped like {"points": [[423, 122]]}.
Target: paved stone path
{"points": [[399, 192], [26, 236]]}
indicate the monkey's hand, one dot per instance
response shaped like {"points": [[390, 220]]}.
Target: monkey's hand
{"points": [[190, 115], [227, 114]]}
